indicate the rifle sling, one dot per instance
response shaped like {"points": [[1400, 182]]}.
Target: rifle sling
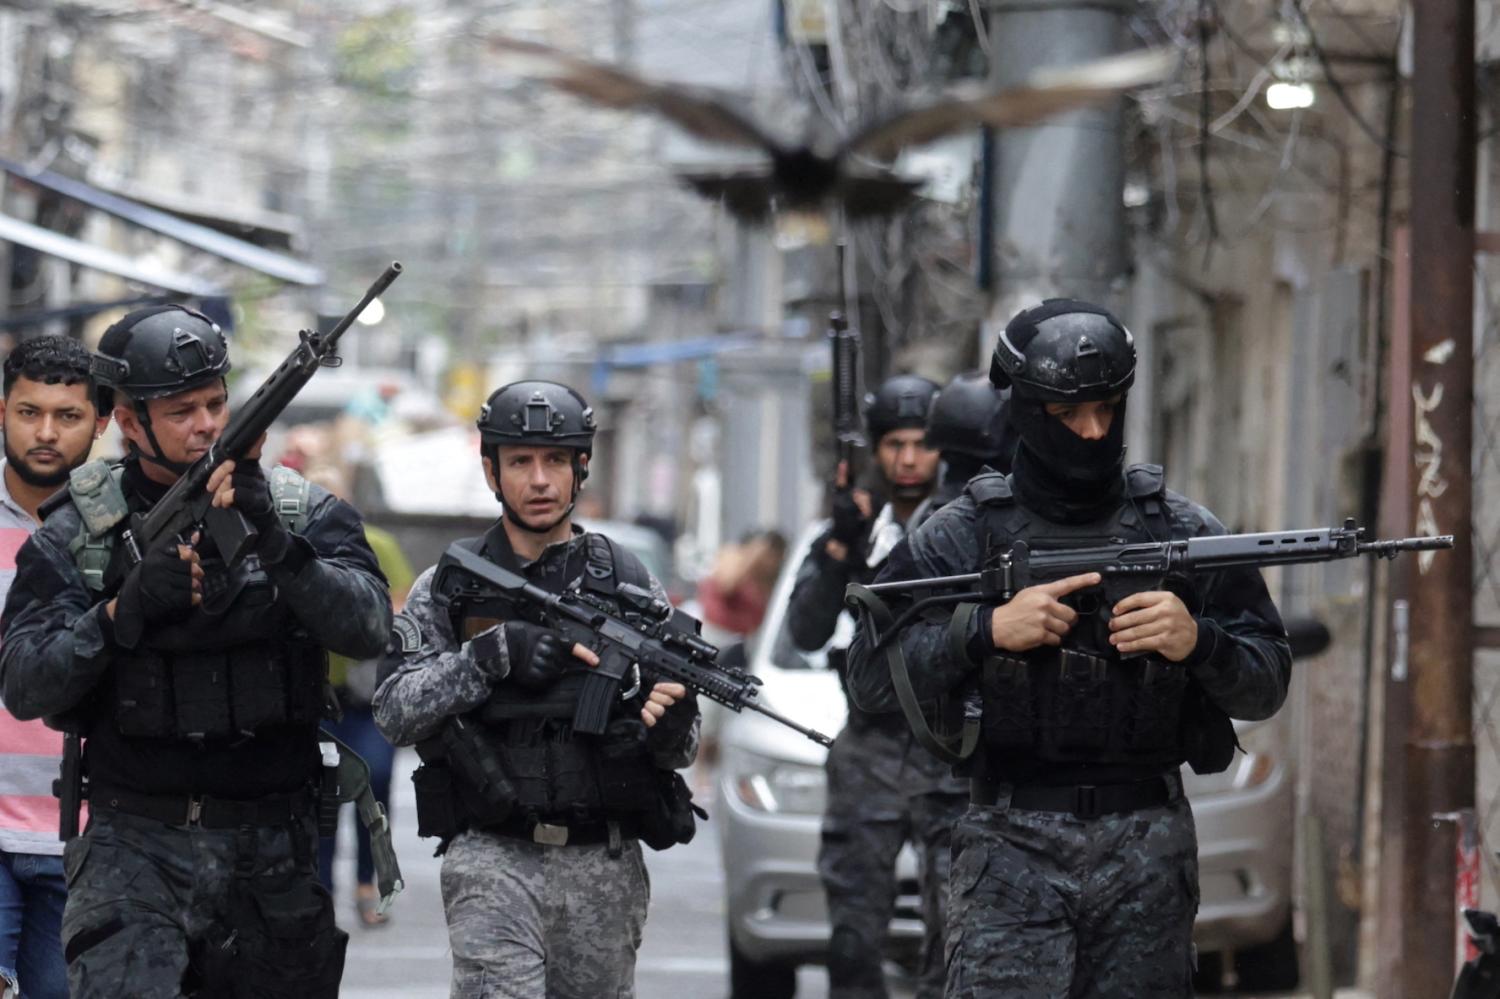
{"points": [[947, 750]]}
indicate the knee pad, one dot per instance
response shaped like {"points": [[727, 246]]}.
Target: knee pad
{"points": [[852, 962]]}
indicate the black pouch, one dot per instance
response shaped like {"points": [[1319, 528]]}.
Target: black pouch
{"points": [[200, 683], [672, 819], [259, 683], [1209, 741], [1155, 717], [626, 783], [439, 808], [279, 941], [143, 696], [1081, 715], [305, 674], [1009, 697]]}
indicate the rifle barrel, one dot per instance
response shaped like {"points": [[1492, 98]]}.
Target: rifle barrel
{"points": [[1388, 549], [383, 282], [812, 734]]}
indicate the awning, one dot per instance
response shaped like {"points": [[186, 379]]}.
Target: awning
{"points": [[98, 258], [268, 262]]}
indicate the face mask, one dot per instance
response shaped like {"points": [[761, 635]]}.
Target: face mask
{"points": [[1084, 465]]}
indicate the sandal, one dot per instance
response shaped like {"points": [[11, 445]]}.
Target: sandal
{"points": [[367, 905]]}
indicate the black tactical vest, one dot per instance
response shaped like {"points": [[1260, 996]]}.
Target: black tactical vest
{"points": [[532, 766], [1082, 703], [237, 665], [222, 676]]}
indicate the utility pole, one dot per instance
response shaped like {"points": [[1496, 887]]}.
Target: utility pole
{"points": [[1059, 226], [1439, 748]]}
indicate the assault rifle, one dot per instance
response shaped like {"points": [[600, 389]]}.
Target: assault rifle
{"points": [[1126, 568], [187, 505], [847, 432], [662, 643]]}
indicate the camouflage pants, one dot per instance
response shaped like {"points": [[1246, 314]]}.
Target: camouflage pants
{"points": [[872, 810], [934, 816], [528, 921], [147, 900], [1046, 905]]}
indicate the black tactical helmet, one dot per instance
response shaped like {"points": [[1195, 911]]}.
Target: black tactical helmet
{"points": [[535, 413], [900, 402], [968, 418], [160, 351], [1064, 350]]}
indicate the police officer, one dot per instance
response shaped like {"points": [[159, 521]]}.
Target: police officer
{"points": [[199, 686], [543, 881], [1075, 868], [969, 429], [873, 764]]}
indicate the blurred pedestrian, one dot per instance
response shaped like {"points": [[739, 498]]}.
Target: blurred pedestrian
{"points": [[354, 685], [735, 593], [52, 413]]}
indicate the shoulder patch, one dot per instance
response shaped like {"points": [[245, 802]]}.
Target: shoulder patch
{"points": [[406, 634]]}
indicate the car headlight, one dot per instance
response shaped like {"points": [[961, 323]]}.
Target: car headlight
{"points": [[776, 786]]}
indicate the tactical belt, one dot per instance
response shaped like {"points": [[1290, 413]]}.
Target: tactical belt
{"points": [[551, 834], [204, 811], [1086, 801]]}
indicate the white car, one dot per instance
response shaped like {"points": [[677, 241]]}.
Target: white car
{"points": [[771, 794]]}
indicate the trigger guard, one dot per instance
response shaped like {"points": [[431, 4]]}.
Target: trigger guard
{"points": [[635, 688]]}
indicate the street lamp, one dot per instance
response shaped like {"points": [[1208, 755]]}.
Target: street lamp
{"points": [[372, 314], [1284, 96]]}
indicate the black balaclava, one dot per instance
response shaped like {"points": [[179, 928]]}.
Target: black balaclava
{"points": [[1057, 471]]}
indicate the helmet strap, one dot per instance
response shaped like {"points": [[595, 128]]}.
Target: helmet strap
{"points": [[159, 458]]}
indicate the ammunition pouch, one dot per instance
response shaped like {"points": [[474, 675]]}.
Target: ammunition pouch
{"points": [[440, 810], [1209, 741], [278, 941], [671, 818], [469, 778], [218, 693], [1072, 707]]}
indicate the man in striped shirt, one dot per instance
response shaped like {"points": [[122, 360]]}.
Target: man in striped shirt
{"points": [[51, 415]]}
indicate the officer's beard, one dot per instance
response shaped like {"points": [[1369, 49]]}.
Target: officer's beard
{"points": [[35, 477], [1058, 471]]}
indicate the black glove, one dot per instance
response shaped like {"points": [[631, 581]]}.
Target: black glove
{"points": [[157, 591], [849, 523], [252, 498], [252, 495], [538, 656]]}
